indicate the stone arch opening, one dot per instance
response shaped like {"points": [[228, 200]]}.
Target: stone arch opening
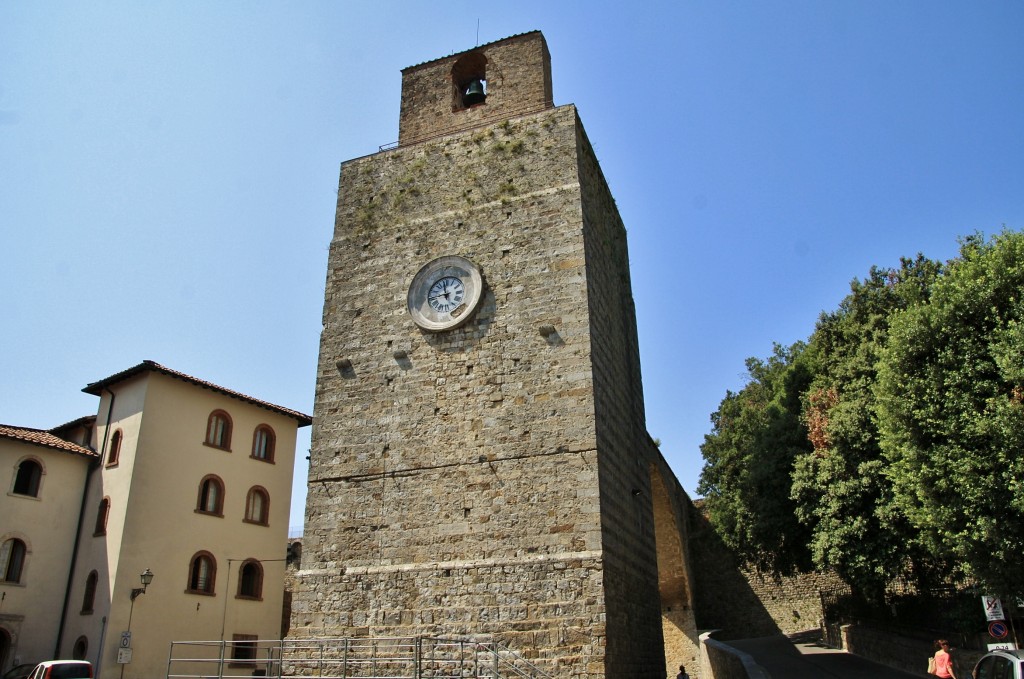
{"points": [[469, 81]]}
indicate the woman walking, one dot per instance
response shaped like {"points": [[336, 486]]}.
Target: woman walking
{"points": [[943, 660]]}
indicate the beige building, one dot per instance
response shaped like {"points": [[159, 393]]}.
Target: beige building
{"points": [[189, 481], [43, 480]]}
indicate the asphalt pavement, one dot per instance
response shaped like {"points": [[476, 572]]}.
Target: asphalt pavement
{"points": [[786, 658]]}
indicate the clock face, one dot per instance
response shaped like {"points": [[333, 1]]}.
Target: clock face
{"points": [[444, 293]]}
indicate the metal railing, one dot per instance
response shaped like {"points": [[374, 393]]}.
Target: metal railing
{"points": [[420, 657]]}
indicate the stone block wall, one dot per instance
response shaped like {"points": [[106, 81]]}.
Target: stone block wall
{"points": [[902, 653], [496, 477], [793, 602], [635, 640], [518, 75], [721, 661], [459, 482], [743, 603]]}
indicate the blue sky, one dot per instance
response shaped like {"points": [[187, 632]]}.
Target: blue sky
{"points": [[168, 173]]}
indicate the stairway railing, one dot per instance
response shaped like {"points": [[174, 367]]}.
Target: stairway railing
{"points": [[419, 657]]}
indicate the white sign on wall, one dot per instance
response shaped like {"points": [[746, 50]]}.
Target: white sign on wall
{"points": [[1002, 646], [993, 608]]}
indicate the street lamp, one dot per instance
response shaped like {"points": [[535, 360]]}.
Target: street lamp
{"points": [[147, 577]]}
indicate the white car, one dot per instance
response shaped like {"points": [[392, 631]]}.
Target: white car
{"points": [[1000, 665], [62, 669]]}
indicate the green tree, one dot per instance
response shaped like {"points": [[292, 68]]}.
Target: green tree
{"points": [[840, 488], [749, 456], [951, 412]]}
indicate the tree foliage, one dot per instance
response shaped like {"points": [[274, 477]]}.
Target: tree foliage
{"points": [[841, 490], [951, 412], [757, 434], [892, 442]]}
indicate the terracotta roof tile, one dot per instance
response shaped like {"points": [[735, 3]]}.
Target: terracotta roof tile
{"points": [[96, 388], [84, 421], [38, 437]]}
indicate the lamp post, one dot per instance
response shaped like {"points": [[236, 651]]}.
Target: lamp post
{"points": [[147, 577]]}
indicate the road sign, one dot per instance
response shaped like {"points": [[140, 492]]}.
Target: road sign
{"points": [[993, 608], [998, 629], [126, 640], [124, 656]]}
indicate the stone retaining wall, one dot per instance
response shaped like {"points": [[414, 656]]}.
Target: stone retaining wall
{"points": [[721, 661], [902, 653]]}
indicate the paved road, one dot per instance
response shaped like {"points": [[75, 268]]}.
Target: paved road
{"points": [[807, 659]]}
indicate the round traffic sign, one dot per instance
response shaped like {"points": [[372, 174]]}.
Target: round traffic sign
{"points": [[998, 629]]}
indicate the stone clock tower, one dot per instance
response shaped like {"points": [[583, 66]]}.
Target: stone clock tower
{"points": [[480, 462]]}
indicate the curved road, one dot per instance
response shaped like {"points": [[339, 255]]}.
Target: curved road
{"points": [[807, 659]]}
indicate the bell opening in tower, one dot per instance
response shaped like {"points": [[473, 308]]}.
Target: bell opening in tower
{"points": [[469, 77]]}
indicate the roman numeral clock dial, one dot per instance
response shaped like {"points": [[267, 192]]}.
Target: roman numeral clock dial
{"points": [[444, 293]]}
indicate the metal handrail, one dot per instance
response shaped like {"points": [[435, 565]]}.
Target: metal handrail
{"points": [[419, 657]]}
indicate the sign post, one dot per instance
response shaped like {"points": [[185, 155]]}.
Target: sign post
{"points": [[124, 649]]}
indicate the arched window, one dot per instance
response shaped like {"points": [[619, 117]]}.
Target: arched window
{"points": [[26, 481], [250, 580], [12, 560], [211, 496], [114, 455], [90, 592], [218, 430], [263, 443], [101, 517], [202, 573], [257, 506], [80, 649]]}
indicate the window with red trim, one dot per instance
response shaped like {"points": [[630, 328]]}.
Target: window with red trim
{"points": [[263, 440], [257, 506], [114, 455], [218, 430], [211, 496], [202, 574]]}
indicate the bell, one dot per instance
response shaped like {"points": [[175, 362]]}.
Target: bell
{"points": [[474, 93]]}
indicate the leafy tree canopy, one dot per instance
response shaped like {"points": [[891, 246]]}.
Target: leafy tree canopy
{"points": [[890, 444], [951, 412], [757, 434], [841, 491]]}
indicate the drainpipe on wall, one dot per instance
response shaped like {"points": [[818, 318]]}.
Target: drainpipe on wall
{"points": [[78, 533]]}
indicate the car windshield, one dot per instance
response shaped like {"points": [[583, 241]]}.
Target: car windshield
{"points": [[70, 671]]}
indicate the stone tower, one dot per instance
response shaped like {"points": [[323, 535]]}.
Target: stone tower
{"points": [[480, 462]]}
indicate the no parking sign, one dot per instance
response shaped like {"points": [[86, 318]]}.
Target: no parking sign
{"points": [[998, 629]]}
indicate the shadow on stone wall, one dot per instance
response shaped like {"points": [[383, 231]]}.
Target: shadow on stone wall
{"points": [[723, 596]]}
